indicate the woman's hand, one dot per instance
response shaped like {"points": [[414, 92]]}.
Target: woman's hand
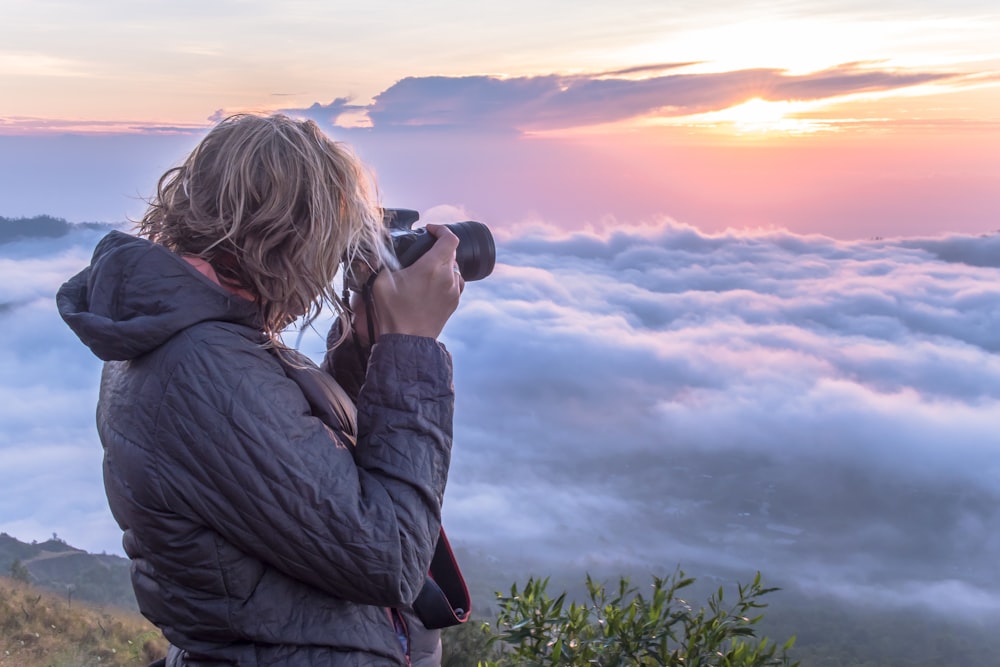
{"points": [[419, 299]]}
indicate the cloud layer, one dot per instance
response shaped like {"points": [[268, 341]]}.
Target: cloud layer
{"points": [[653, 396], [824, 411]]}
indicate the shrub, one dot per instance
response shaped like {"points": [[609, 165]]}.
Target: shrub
{"points": [[627, 628]]}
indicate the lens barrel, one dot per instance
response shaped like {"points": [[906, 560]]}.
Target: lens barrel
{"points": [[476, 254]]}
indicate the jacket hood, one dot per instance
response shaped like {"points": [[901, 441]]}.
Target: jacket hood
{"points": [[136, 294]]}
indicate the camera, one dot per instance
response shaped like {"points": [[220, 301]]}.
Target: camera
{"points": [[476, 254]]}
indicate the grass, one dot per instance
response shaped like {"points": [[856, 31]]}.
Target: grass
{"points": [[41, 629]]}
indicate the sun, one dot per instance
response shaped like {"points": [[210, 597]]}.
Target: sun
{"points": [[758, 116]]}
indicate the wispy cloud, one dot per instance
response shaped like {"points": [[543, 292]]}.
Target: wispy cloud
{"points": [[39, 64], [29, 125]]}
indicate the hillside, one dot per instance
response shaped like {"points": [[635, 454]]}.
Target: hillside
{"points": [[41, 629], [69, 572]]}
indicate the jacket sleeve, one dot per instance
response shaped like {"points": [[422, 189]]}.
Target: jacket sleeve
{"points": [[250, 461]]}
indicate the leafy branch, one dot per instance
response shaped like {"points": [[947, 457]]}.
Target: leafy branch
{"points": [[628, 628]]}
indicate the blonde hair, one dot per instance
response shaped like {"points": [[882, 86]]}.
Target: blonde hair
{"points": [[275, 206]]}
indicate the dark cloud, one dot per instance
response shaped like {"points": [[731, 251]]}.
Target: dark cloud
{"points": [[823, 411], [559, 101]]}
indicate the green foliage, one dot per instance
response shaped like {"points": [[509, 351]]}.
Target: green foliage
{"points": [[626, 628], [467, 645], [19, 572]]}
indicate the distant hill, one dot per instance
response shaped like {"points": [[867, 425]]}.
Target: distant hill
{"points": [[42, 227], [828, 631], [72, 573]]}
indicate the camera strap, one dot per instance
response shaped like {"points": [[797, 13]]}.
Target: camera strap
{"points": [[443, 600], [368, 296]]}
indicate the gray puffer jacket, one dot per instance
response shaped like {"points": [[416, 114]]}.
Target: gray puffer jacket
{"points": [[258, 534]]}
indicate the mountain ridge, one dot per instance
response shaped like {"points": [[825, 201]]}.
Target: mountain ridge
{"points": [[43, 227], [55, 566]]}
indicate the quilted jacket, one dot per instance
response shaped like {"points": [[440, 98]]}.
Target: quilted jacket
{"points": [[258, 534]]}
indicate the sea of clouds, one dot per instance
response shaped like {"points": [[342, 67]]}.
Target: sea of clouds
{"points": [[827, 412]]}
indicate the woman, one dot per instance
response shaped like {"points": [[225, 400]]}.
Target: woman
{"points": [[269, 523]]}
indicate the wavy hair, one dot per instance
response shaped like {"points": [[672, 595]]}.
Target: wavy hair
{"points": [[275, 206]]}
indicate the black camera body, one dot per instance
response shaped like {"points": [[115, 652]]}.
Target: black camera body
{"points": [[476, 254]]}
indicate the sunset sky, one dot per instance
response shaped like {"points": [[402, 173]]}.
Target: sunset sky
{"points": [[842, 118]]}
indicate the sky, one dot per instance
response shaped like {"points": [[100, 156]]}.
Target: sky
{"points": [[746, 305], [840, 118]]}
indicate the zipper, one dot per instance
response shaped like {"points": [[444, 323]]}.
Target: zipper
{"points": [[402, 631]]}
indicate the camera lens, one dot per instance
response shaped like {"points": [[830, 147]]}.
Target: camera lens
{"points": [[476, 254]]}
